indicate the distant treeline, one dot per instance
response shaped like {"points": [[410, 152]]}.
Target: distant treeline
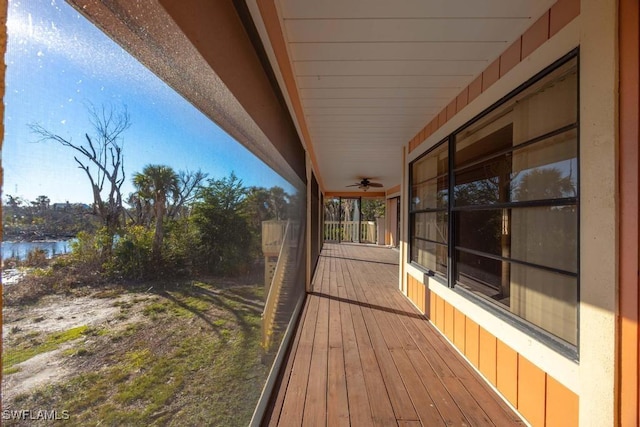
{"points": [[214, 226], [24, 220]]}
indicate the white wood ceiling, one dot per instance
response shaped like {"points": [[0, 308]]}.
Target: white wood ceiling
{"points": [[372, 73]]}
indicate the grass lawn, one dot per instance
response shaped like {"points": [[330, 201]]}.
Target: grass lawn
{"points": [[188, 355]]}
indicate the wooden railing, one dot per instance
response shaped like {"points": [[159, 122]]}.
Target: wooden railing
{"points": [[272, 236], [273, 294], [348, 231]]}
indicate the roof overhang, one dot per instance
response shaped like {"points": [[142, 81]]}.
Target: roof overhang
{"points": [[362, 78]]}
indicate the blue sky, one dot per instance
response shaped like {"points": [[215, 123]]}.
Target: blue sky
{"points": [[57, 62]]}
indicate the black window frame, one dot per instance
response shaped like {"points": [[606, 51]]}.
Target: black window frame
{"points": [[561, 346], [447, 209]]}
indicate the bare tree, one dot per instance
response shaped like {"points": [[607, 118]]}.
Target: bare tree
{"points": [[188, 184], [100, 156]]}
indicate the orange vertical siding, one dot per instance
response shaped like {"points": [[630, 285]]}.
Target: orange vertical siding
{"points": [[428, 129], [410, 287], [488, 348], [417, 293], [475, 88], [459, 329], [432, 306], [562, 405], [540, 399], [536, 35], [440, 314], [442, 117], [463, 99], [531, 392], [562, 13], [448, 321], [491, 74], [507, 372], [472, 342], [511, 57], [451, 109]]}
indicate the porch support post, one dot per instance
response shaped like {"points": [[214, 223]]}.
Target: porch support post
{"points": [[403, 218], [360, 219], [308, 240]]}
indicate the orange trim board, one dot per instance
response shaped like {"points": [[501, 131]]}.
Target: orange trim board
{"points": [[364, 194], [393, 190], [628, 357], [276, 37]]}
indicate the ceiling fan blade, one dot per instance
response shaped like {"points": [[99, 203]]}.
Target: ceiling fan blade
{"points": [[375, 184], [354, 185]]}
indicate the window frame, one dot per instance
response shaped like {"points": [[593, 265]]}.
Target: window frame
{"points": [[446, 209], [558, 344]]}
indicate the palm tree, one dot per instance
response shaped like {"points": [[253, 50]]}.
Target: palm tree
{"points": [[157, 183]]}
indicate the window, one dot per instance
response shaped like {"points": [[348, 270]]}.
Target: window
{"points": [[429, 216], [186, 267], [513, 205]]}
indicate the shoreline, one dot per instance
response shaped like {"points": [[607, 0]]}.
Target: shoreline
{"points": [[54, 240], [38, 239]]}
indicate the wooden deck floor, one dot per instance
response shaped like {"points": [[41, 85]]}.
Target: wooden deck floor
{"points": [[364, 356]]}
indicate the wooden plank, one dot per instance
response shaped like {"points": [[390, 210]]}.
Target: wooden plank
{"points": [[368, 352], [315, 406], [388, 312], [400, 400], [381, 409], [337, 403], [462, 397], [359, 409], [422, 401], [441, 398], [444, 401], [472, 409], [495, 406], [299, 357], [471, 392], [273, 416], [335, 327], [293, 407]]}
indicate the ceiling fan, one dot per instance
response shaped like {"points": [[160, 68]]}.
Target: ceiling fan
{"points": [[365, 184]]}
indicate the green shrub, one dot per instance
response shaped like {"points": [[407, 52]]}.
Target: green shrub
{"points": [[132, 255], [180, 245], [92, 249]]}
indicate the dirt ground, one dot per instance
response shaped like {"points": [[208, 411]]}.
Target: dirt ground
{"points": [[160, 353], [53, 313]]}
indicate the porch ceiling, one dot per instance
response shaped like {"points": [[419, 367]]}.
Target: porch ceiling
{"points": [[370, 74]]}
